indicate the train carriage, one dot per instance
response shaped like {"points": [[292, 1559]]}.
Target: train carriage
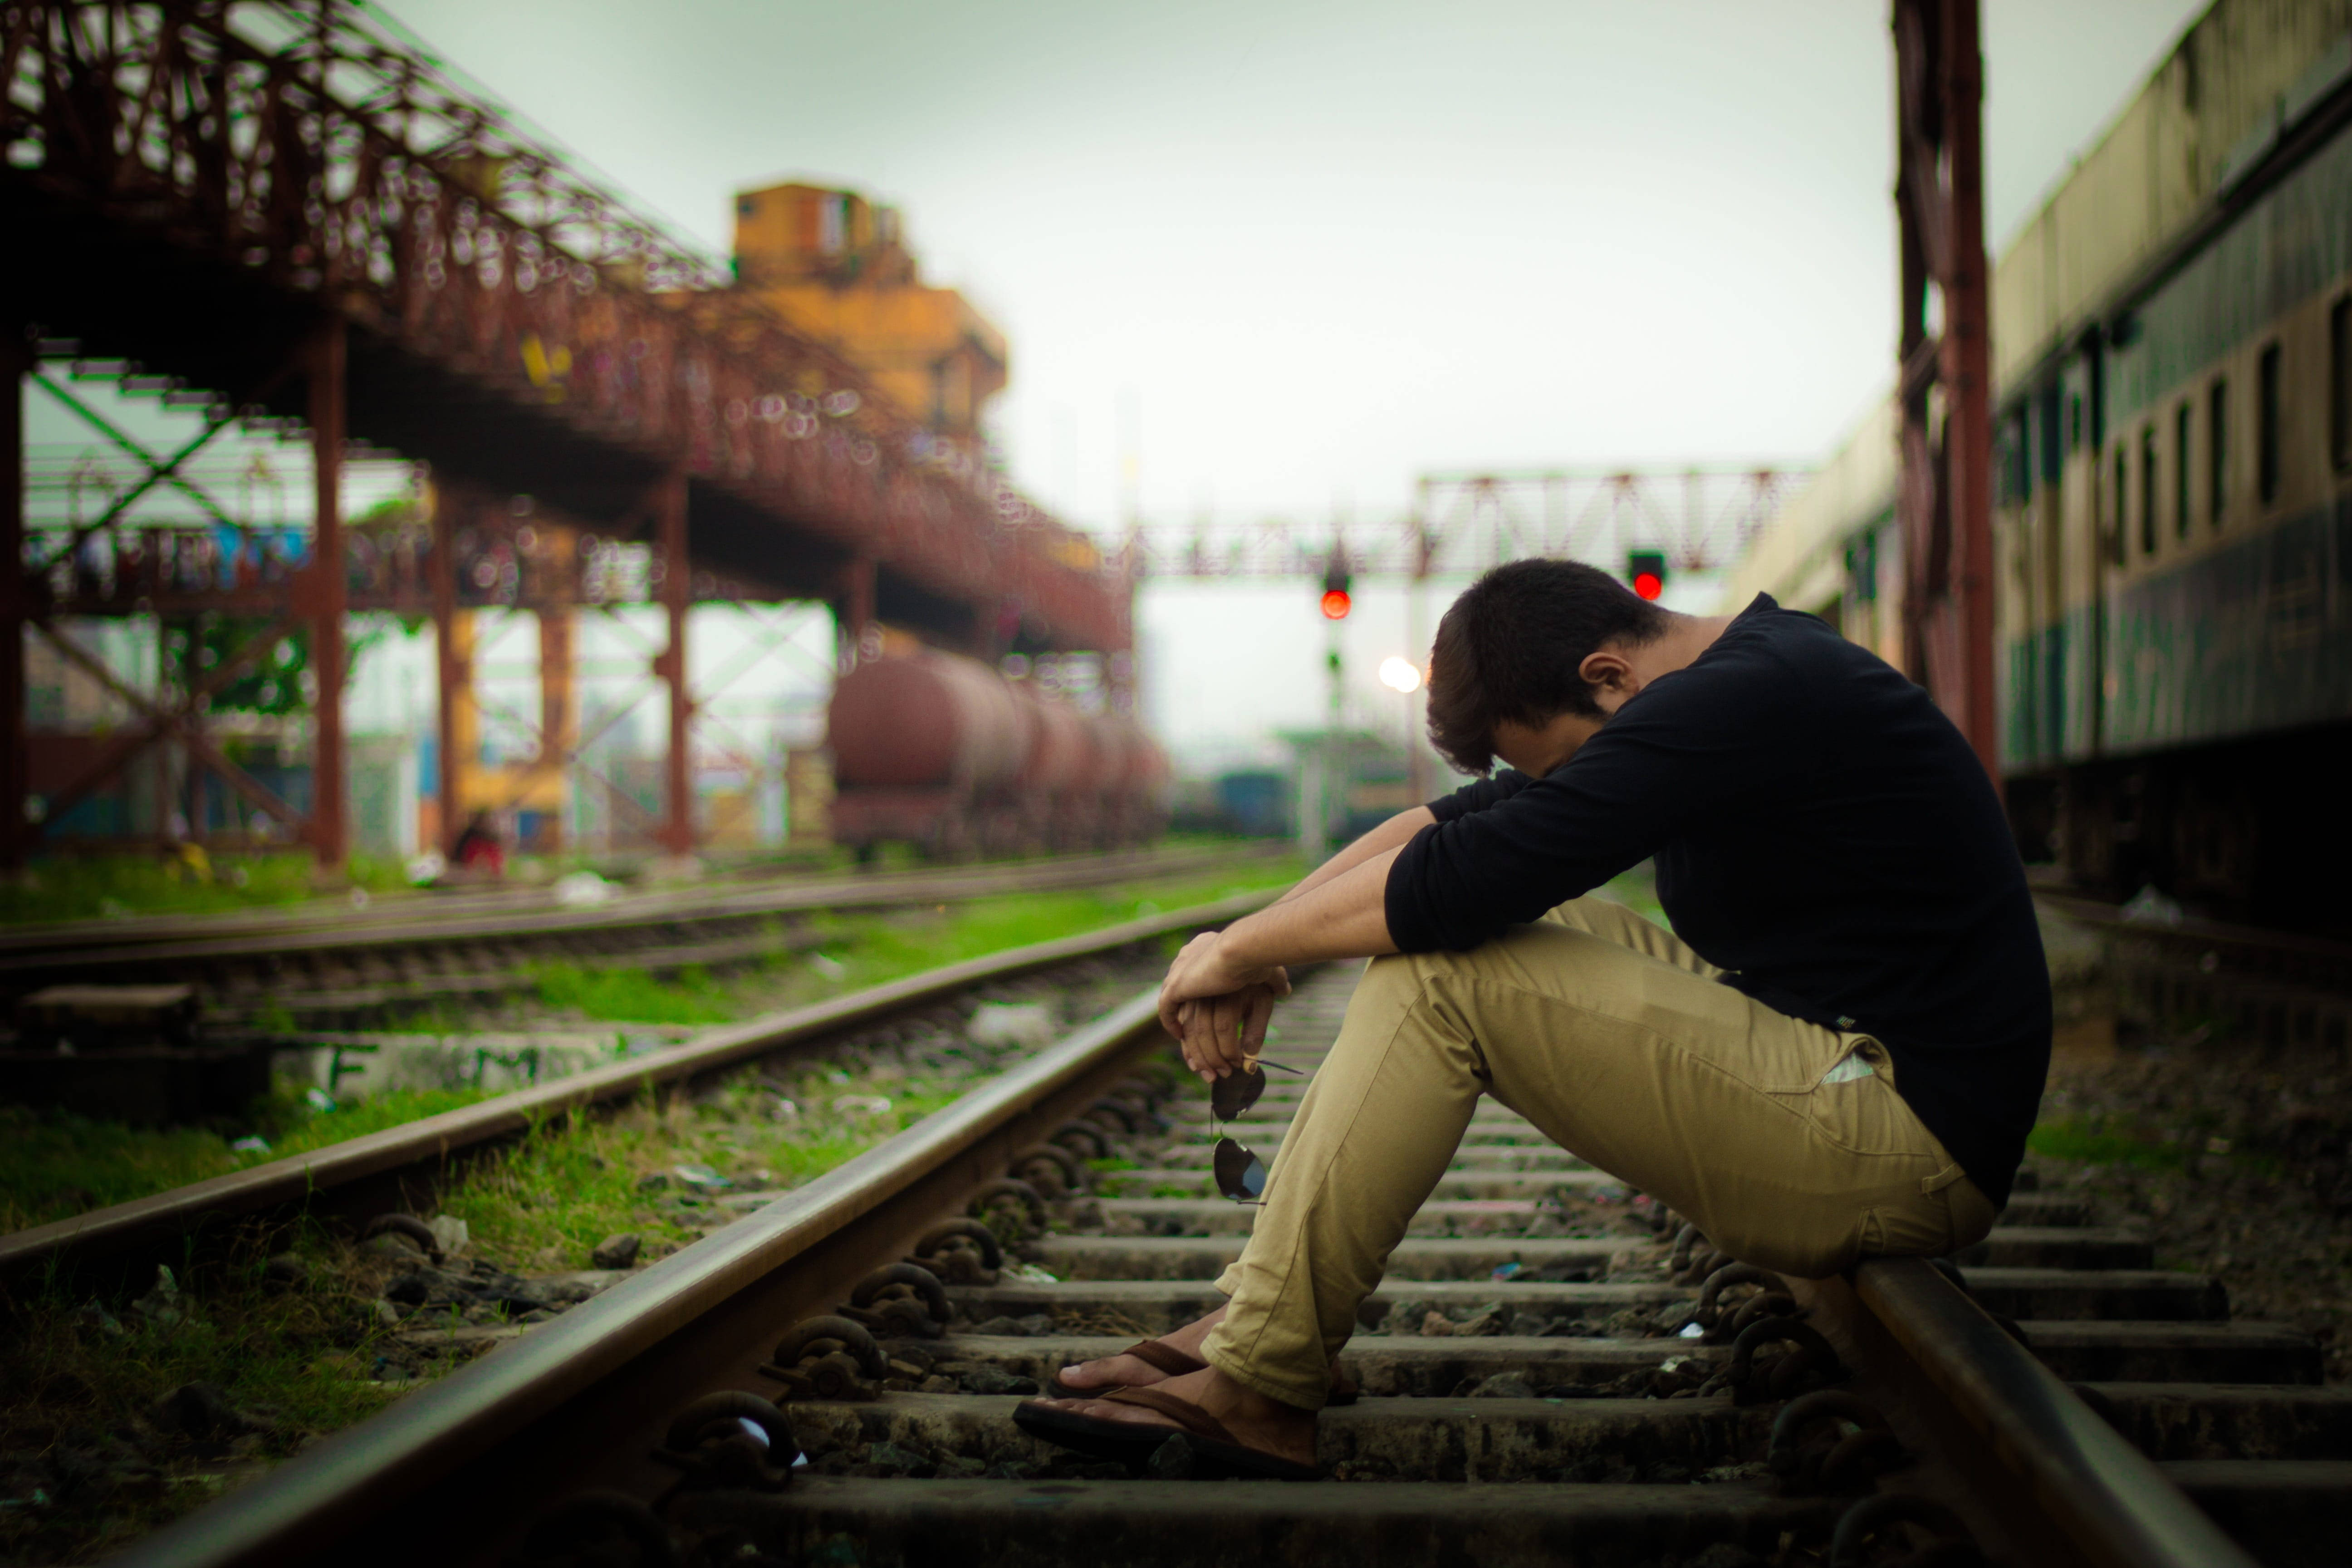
{"points": [[941, 752], [2172, 341]]}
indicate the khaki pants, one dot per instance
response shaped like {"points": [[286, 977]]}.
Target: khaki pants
{"points": [[1619, 1044]]}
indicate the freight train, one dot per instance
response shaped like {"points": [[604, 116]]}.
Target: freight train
{"points": [[2172, 340], [941, 752]]}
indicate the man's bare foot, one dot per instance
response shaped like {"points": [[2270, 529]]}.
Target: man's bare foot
{"points": [[1130, 1372], [1257, 1421]]}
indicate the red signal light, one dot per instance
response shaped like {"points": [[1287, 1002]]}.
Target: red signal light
{"points": [[1337, 604], [1647, 584]]}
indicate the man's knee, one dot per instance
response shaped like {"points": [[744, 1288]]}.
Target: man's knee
{"points": [[1394, 978]]}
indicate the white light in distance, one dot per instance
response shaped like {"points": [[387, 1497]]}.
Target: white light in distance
{"points": [[1400, 674]]}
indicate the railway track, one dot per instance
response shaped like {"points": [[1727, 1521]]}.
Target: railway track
{"points": [[1503, 1365], [344, 970], [2284, 988], [403, 1166]]}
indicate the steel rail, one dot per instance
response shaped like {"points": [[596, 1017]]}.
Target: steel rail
{"points": [[398, 1156], [574, 1403], [2191, 929], [2066, 1486], [271, 920], [543, 1415], [436, 926]]}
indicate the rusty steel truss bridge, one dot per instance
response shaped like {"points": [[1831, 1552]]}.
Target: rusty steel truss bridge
{"points": [[284, 219], [282, 215]]}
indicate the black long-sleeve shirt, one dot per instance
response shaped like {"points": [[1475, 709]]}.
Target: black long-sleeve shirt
{"points": [[1821, 832]]}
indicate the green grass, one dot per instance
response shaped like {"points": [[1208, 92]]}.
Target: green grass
{"points": [[78, 1376], [632, 995], [53, 1165], [2099, 1141], [96, 887], [548, 1201], [2093, 1143], [1637, 889], [872, 949], [304, 1362], [301, 1362], [100, 886]]}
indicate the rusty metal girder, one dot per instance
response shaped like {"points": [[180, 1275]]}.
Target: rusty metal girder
{"points": [[1703, 516], [311, 146], [1944, 500]]}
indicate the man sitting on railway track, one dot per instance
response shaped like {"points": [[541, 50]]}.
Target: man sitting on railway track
{"points": [[1837, 1052]]}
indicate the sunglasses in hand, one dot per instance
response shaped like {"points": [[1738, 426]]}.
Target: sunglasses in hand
{"points": [[1240, 1175]]}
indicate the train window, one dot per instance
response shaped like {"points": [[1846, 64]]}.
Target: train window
{"points": [[2339, 384], [2052, 462], [2074, 423], [2012, 462], [2217, 453], [2266, 425], [2148, 491], [2180, 470], [2122, 530]]}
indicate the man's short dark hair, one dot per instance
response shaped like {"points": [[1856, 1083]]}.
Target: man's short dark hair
{"points": [[1510, 646]]}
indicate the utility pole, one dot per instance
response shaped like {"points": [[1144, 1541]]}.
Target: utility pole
{"points": [[1945, 500], [320, 593]]}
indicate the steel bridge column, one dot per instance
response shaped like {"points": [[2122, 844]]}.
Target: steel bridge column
{"points": [[16, 358], [1967, 382], [557, 709], [323, 591], [1945, 500], [669, 550], [450, 675]]}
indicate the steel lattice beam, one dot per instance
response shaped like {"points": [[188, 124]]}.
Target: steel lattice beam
{"points": [[1702, 515], [303, 145]]}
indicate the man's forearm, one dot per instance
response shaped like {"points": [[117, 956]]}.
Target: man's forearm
{"points": [[1344, 916], [1390, 836]]}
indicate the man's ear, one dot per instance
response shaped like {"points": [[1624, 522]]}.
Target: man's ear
{"points": [[1608, 673]]}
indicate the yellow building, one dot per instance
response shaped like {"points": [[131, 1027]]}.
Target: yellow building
{"points": [[837, 267]]}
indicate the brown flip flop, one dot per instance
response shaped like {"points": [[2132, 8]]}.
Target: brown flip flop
{"points": [[1133, 1442], [1151, 1352], [1167, 1358]]}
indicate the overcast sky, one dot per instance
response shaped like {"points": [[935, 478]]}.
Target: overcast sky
{"points": [[1299, 251], [1313, 249], [1316, 246]]}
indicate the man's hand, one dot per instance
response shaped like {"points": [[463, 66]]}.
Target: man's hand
{"points": [[1217, 1009]]}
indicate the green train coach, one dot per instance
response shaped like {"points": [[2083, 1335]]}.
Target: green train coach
{"points": [[2172, 344]]}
